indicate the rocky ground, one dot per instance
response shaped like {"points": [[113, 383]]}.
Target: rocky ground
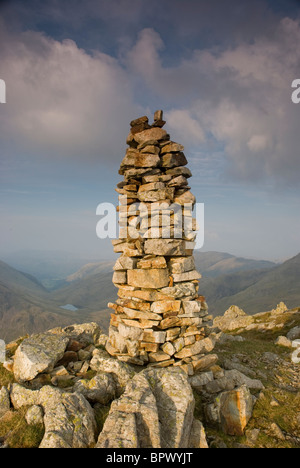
{"points": [[62, 389]]}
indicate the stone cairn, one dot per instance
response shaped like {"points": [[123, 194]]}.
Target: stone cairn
{"points": [[159, 318]]}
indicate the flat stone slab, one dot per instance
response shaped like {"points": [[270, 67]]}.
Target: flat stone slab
{"points": [[153, 279]]}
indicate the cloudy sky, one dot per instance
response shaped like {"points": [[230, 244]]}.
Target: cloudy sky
{"points": [[77, 72]]}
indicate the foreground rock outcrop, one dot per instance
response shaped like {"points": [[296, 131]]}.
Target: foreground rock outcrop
{"points": [[154, 407], [157, 407], [234, 318], [150, 408]]}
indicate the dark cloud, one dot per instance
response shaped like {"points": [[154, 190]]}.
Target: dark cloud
{"points": [[232, 88], [240, 97], [104, 23]]}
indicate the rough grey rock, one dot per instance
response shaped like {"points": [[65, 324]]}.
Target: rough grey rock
{"points": [[226, 338], [293, 334], [197, 381], [231, 410], [122, 372], [198, 436], [236, 409], [120, 431], [233, 378], [69, 419], [38, 353], [233, 319], [86, 333], [35, 415], [155, 411], [133, 420], [175, 403], [231, 364], [270, 357], [100, 389], [21, 396]]}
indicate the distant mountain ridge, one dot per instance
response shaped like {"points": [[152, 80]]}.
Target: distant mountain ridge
{"points": [[210, 264], [15, 279], [90, 269], [213, 264], [26, 306], [256, 291]]}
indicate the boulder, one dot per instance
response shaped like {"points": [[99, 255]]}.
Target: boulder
{"points": [[280, 309], [86, 333], [100, 389], [161, 405], [199, 380], [293, 334], [21, 396], [236, 409], [283, 341], [34, 415], [198, 436], [121, 371], [133, 420], [230, 380], [205, 362], [69, 419], [233, 319], [38, 353], [120, 431]]}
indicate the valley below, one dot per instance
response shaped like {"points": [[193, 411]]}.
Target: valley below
{"points": [[35, 299]]}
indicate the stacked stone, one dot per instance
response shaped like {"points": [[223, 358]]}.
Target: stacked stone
{"points": [[159, 318]]}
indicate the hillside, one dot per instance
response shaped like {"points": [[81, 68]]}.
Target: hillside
{"points": [[91, 286], [51, 268], [255, 291], [15, 279], [90, 295], [91, 269], [210, 264], [26, 306], [214, 264]]}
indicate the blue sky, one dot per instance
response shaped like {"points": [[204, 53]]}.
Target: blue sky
{"points": [[78, 72]]}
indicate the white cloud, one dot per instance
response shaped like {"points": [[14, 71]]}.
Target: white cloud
{"points": [[240, 97], [188, 129], [61, 100]]}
